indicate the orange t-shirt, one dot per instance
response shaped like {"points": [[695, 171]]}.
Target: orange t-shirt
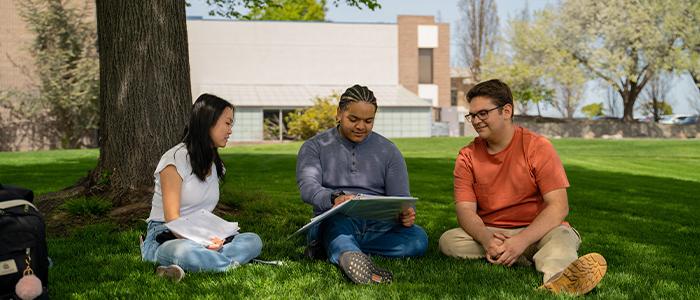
{"points": [[508, 187]]}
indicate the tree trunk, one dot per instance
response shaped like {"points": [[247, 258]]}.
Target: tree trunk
{"points": [[655, 108], [145, 94], [628, 105], [570, 108], [629, 97]]}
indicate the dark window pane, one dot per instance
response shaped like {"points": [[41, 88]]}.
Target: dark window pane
{"points": [[425, 65], [453, 97]]}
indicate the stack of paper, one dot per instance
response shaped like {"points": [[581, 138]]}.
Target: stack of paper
{"points": [[202, 226]]}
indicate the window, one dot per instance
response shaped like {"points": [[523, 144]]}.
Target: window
{"points": [[425, 65], [453, 96]]}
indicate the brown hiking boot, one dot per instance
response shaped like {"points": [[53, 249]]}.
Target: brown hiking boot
{"points": [[580, 277]]}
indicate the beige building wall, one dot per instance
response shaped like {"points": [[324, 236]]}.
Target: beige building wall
{"points": [[291, 53], [15, 39], [441, 65]]}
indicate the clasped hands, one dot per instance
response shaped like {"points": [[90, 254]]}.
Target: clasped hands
{"points": [[505, 250]]}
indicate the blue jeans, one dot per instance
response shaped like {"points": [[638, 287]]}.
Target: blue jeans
{"points": [[194, 257], [341, 233]]}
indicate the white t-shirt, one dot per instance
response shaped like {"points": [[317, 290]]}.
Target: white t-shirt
{"points": [[194, 195]]}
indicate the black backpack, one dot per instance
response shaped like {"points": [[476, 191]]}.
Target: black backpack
{"points": [[22, 239]]}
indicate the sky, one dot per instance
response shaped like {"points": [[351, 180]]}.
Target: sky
{"points": [[682, 91]]}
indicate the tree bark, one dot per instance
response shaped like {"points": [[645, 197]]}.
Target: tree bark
{"points": [[145, 94], [629, 97]]}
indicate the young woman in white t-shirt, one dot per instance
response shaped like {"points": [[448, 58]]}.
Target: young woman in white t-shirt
{"points": [[186, 181]]}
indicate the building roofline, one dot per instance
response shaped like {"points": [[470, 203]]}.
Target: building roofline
{"points": [[202, 18]]}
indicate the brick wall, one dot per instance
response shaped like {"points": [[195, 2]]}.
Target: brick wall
{"points": [[408, 55], [441, 65]]}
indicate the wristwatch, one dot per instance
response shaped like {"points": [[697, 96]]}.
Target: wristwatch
{"points": [[335, 195]]}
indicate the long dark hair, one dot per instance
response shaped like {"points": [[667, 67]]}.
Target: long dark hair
{"points": [[206, 110]]}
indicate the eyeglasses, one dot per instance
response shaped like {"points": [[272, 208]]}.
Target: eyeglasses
{"points": [[482, 114]]}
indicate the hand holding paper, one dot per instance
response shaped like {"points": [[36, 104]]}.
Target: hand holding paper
{"points": [[408, 217], [202, 226], [370, 207]]}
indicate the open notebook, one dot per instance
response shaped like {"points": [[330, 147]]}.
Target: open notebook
{"points": [[368, 207], [201, 226]]}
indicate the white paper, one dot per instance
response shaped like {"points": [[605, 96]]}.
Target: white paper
{"points": [[202, 226]]}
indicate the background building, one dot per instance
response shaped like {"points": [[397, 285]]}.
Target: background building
{"points": [[268, 68]]}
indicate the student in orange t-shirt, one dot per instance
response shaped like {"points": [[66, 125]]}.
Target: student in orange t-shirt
{"points": [[510, 196]]}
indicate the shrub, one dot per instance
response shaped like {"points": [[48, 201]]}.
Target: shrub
{"points": [[305, 123], [593, 110]]}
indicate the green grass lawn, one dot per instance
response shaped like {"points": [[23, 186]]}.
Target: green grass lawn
{"points": [[634, 201]]}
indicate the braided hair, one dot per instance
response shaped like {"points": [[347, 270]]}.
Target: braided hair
{"points": [[357, 93]]}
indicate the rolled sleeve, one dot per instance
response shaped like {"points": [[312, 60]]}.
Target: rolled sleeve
{"points": [[463, 179]]}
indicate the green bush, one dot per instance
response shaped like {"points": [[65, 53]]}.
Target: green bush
{"points": [[662, 107], [87, 206], [593, 110], [305, 123]]}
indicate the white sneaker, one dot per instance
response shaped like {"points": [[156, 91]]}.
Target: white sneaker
{"points": [[172, 272]]}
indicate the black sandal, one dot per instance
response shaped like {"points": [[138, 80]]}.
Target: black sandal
{"points": [[359, 268]]}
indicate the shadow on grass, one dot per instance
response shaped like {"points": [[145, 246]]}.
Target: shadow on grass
{"points": [[645, 226], [47, 177]]}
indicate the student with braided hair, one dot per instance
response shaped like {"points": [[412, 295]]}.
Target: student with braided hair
{"points": [[347, 160]]}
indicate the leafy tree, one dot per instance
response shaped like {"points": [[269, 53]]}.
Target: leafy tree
{"points": [[306, 123], [64, 100], [593, 110], [622, 42], [290, 10], [477, 32]]}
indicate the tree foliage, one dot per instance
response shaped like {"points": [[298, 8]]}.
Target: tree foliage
{"points": [[656, 93], [691, 40], [233, 8], [306, 123], [657, 108], [622, 42], [593, 110], [523, 65], [66, 65], [290, 10]]}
